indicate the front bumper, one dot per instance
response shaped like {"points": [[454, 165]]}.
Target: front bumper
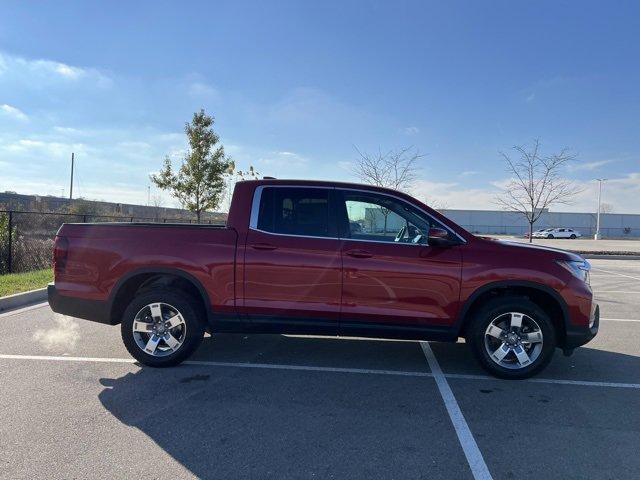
{"points": [[579, 335]]}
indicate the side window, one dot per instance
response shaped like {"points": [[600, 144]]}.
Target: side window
{"points": [[295, 211], [384, 219]]}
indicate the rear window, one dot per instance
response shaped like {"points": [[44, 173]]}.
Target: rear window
{"points": [[294, 211]]}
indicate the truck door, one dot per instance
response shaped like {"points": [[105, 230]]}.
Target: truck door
{"points": [[292, 263], [391, 276]]}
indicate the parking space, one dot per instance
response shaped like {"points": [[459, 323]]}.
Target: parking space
{"points": [[74, 405]]}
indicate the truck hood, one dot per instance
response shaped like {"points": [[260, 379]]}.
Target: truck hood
{"points": [[533, 248]]}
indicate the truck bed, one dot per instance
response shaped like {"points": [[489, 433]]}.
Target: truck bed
{"points": [[103, 254]]}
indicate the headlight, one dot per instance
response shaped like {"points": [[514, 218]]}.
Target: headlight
{"points": [[578, 268]]}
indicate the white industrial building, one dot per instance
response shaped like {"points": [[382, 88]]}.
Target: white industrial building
{"points": [[612, 225]]}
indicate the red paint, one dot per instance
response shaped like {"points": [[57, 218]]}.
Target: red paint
{"points": [[411, 284], [247, 272], [295, 276]]}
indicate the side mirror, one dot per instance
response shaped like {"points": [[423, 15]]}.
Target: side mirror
{"points": [[439, 237]]}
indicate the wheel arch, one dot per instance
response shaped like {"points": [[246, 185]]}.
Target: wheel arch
{"points": [[545, 297], [139, 279]]}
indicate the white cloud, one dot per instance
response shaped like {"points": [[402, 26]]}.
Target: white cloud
{"points": [[40, 148], [346, 165], [35, 71], [411, 131], [13, 112], [68, 71], [310, 107], [615, 191], [588, 166], [454, 195], [620, 192], [282, 160], [134, 145], [469, 173], [201, 89], [70, 131]]}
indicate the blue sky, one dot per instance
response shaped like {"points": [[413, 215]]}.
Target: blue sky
{"points": [[295, 85]]}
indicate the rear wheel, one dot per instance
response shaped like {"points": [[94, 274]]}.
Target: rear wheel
{"points": [[512, 337], [550, 236], [161, 328]]}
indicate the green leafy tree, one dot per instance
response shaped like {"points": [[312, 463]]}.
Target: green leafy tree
{"points": [[199, 184]]}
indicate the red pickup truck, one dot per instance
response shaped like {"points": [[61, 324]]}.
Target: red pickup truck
{"points": [[325, 258]]}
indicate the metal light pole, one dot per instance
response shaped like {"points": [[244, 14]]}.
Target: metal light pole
{"points": [[600, 181], [71, 183]]}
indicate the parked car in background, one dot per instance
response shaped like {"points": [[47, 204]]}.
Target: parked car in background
{"points": [[291, 260], [537, 233], [557, 233]]}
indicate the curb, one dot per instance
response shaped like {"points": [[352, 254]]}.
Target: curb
{"points": [[22, 299]]}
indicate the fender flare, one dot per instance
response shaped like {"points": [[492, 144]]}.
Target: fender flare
{"points": [[505, 284], [159, 270]]}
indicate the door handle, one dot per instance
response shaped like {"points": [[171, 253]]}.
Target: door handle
{"points": [[263, 246], [359, 254]]}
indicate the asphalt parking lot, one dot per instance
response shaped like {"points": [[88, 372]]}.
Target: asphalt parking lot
{"points": [[74, 405]]}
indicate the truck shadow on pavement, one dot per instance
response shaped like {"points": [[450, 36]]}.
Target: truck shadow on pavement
{"points": [[229, 422]]}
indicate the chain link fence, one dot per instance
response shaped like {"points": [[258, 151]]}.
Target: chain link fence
{"points": [[26, 237]]}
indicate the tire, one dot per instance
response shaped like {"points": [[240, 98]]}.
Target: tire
{"points": [[573, 236], [175, 308], [550, 236], [536, 330]]}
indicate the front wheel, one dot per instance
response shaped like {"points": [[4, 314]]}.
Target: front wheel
{"points": [[573, 236], [162, 328], [511, 337], [550, 236]]}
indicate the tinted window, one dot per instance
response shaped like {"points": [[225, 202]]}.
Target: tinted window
{"points": [[295, 211]]}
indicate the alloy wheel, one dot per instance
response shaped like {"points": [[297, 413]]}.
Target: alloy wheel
{"points": [[159, 329], [513, 340]]}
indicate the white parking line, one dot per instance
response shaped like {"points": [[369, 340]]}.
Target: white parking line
{"points": [[557, 381], [273, 366], [614, 273], [620, 319], [600, 292], [312, 368], [469, 446]]}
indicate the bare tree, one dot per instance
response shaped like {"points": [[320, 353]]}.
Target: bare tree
{"points": [[157, 202], [606, 208], [536, 182], [436, 204], [394, 169], [233, 176]]}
